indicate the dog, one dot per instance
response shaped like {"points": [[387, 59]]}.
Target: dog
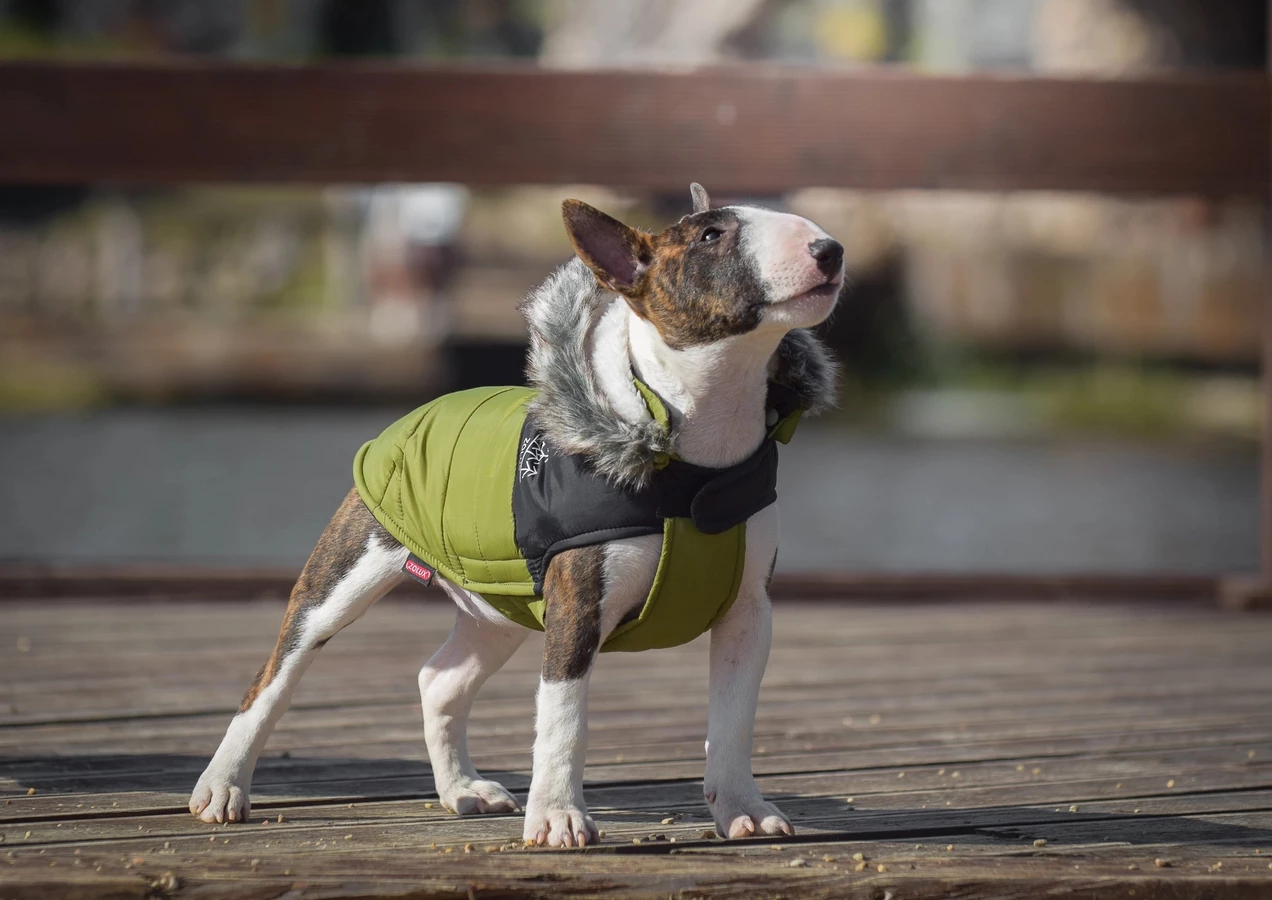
{"points": [[663, 366]]}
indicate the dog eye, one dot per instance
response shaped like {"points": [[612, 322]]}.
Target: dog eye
{"points": [[710, 234]]}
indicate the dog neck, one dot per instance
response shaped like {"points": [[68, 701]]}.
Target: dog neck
{"points": [[715, 393]]}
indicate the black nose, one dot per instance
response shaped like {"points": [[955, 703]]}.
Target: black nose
{"points": [[829, 255]]}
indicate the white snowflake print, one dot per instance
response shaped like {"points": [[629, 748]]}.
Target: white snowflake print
{"points": [[534, 452]]}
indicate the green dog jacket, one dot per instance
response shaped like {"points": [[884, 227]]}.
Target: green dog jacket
{"points": [[469, 485]]}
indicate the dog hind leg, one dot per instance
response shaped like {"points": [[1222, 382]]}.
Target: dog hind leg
{"points": [[354, 564], [449, 682]]}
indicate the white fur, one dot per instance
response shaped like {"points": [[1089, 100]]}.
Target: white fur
{"points": [[630, 565], [779, 242], [449, 683], [471, 602], [739, 652], [222, 792], [715, 392], [555, 813], [611, 361]]}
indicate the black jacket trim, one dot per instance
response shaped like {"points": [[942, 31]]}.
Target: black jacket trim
{"points": [[560, 502]]}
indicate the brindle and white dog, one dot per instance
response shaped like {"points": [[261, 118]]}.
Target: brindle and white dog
{"points": [[705, 313]]}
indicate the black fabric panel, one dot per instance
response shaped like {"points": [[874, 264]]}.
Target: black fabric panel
{"points": [[559, 502], [557, 497], [738, 492], [782, 399]]}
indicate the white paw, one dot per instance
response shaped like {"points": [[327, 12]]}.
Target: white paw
{"points": [[219, 799], [562, 826], [745, 814], [475, 797]]}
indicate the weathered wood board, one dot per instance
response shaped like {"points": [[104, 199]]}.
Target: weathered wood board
{"points": [[754, 129], [941, 742]]}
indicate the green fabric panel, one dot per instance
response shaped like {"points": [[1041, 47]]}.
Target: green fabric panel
{"points": [[526, 611], [660, 415], [477, 516], [784, 430], [697, 581], [654, 404], [440, 481], [499, 571]]}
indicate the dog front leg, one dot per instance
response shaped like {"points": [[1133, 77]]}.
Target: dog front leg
{"points": [[739, 652], [555, 812]]}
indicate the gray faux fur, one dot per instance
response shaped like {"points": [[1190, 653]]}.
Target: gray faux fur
{"points": [[575, 414]]}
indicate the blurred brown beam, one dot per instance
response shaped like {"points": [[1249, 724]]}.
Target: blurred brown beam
{"points": [[753, 129]]}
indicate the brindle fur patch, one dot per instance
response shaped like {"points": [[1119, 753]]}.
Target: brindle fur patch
{"points": [[572, 616], [339, 548], [694, 291], [699, 292]]}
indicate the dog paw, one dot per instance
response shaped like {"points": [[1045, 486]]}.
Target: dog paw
{"points": [[217, 799], [746, 815], [475, 797], [565, 826]]}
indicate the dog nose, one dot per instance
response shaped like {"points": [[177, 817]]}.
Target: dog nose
{"points": [[829, 255]]}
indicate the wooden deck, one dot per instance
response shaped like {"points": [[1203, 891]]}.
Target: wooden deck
{"points": [[943, 743]]}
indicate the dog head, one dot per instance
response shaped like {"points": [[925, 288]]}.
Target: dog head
{"points": [[715, 273]]}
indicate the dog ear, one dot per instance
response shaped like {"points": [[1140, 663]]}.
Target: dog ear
{"points": [[701, 202], [616, 254]]}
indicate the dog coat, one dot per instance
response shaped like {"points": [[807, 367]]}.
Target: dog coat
{"points": [[471, 487]]}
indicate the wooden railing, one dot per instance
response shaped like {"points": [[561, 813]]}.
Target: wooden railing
{"points": [[743, 129], [753, 129]]}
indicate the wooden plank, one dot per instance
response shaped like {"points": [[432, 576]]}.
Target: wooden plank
{"points": [[337, 864], [751, 129], [931, 764], [414, 826], [1206, 779], [640, 874]]}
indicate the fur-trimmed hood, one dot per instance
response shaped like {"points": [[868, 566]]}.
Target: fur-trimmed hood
{"points": [[577, 416]]}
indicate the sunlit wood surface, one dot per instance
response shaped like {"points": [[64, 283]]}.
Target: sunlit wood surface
{"points": [[943, 743]]}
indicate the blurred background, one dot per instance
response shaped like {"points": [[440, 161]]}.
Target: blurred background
{"points": [[1033, 382]]}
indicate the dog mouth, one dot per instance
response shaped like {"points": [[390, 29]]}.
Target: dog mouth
{"points": [[827, 289]]}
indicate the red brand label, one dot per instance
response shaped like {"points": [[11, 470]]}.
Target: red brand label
{"points": [[418, 570]]}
